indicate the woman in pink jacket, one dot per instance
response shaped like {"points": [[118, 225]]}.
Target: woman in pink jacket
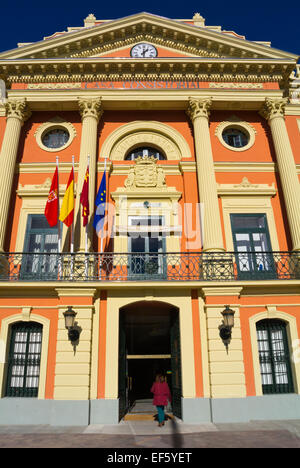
{"points": [[162, 395]]}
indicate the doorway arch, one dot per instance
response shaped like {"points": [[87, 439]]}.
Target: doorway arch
{"points": [[149, 342]]}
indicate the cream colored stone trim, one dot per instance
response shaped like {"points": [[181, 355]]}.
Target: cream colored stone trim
{"points": [[227, 373], [272, 312], [182, 301], [204, 349], [53, 124], [249, 204], [246, 188], [5, 339], [236, 123], [138, 133], [32, 204]]}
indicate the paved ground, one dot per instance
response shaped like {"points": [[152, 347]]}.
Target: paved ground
{"points": [[145, 434]]}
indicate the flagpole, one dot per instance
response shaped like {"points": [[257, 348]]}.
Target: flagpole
{"points": [[86, 227], [101, 244], [59, 225], [72, 225]]}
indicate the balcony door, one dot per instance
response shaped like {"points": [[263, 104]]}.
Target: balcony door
{"points": [[251, 241], [40, 248], [146, 244]]}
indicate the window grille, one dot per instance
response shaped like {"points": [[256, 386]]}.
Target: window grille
{"points": [[24, 360], [274, 357]]}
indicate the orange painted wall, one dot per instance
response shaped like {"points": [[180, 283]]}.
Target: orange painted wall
{"points": [[261, 151], [294, 135], [13, 308]]}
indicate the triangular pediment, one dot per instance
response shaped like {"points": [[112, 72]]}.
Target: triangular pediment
{"points": [[173, 37]]}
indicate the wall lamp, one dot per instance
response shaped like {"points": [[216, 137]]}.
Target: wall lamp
{"points": [[70, 315], [225, 329]]}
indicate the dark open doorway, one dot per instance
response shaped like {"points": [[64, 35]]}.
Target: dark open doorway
{"points": [[149, 343]]}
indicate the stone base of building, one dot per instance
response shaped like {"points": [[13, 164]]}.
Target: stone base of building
{"points": [[30, 411]]}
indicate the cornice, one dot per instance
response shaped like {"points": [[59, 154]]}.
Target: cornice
{"points": [[161, 69], [109, 35]]}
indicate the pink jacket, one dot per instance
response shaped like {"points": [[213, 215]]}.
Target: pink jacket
{"points": [[161, 393]]}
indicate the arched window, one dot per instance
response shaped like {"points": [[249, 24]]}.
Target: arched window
{"points": [[24, 360], [144, 151], [274, 357]]}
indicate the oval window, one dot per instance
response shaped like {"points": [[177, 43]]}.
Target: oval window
{"points": [[55, 138], [235, 137]]}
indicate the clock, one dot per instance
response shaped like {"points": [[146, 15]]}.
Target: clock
{"points": [[143, 51]]}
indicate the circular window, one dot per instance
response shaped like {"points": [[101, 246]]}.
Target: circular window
{"points": [[55, 135], [56, 138], [235, 137], [144, 151]]}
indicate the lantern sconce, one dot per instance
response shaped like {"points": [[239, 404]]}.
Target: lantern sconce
{"points": [[225, 330], [73, 332]]}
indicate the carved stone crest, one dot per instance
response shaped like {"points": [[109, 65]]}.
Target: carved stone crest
{"points": [[146, 173]]}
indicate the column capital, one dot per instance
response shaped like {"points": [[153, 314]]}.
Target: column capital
{"points": [[90, 108], [199, 108], [273, 108], [17, 109]]}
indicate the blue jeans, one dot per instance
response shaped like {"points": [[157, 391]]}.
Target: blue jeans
{"points": [[161, 413]]}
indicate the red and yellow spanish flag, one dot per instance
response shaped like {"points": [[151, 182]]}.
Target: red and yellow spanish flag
{"points": [[67, 208], [51, 208]]}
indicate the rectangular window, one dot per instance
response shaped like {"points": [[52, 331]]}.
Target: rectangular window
{"points": [[252, 243], [146, 247], [40, 259]]}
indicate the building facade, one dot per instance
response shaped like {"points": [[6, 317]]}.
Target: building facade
{"points": [[197, 131]]}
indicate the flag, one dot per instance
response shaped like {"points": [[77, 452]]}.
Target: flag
{"points": [[51, 208], [67, 208], [84, 198], [100, 206]]}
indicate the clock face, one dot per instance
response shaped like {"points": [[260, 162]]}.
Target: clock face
{"points": [[143, 51]]}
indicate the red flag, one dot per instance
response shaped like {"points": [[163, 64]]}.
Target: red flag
{"points": [[51, 208], [84, 198]]}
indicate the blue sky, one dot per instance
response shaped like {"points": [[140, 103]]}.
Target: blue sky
{"points": [[257, 20]]}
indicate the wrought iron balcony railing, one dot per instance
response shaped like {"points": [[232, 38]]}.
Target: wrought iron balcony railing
{"points": [[186, 266]]}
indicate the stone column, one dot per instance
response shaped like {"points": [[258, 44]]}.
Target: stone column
{"points": [[16, 114], [273, 111], [198, 112], [91, 112]]}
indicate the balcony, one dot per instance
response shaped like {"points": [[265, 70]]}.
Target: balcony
{"points": [[186, 266]]}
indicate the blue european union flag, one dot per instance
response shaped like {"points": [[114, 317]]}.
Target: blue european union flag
{"points": [[100, 206]]}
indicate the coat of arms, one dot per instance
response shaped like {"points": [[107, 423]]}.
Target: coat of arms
{"points": [[145, 173]]}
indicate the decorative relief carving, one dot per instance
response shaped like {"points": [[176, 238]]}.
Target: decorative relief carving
{"points": [[17, 109], [199, 108], [273, 108], [146, 173], [145, 138], [90, 108]]}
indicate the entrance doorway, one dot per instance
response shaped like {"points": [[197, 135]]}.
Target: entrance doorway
{"points": [[149, 343]]}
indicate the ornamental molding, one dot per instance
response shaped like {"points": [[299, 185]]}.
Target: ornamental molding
{"points": [[199, 108], [146, 173], [129, 136], [90, 108], [17, 109], [52, 124], [246, 188], [237, 123], [143, 27], [39, 190], [273, 108]]}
